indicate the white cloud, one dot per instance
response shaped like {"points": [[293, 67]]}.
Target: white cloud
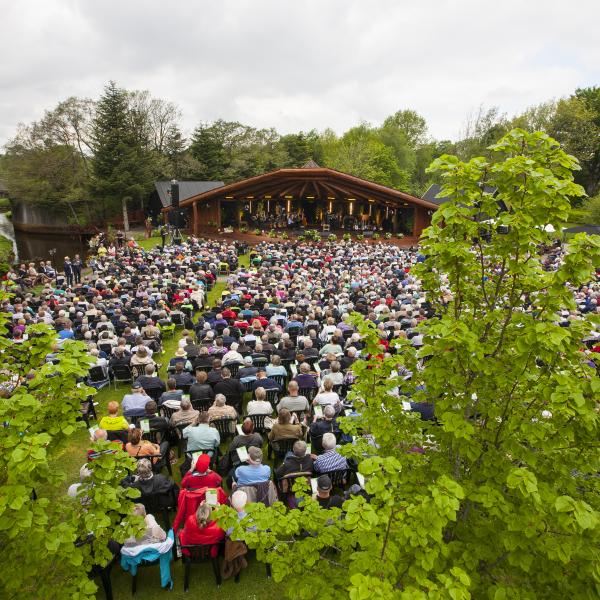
{"points": [[299, 65]]}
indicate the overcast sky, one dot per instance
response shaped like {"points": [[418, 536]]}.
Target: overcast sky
{"points": [[299, 64]]}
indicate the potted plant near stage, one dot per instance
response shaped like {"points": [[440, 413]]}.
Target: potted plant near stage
{"points": [[332, 237], [347, 237], [360, 237], [243, 229], [285, 236], [376, 236], [257, 231], [272, 233], [399, 235], [388, 236]]}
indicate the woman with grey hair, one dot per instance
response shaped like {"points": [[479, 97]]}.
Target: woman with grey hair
{"points": [[152, 484], [220, 410]]}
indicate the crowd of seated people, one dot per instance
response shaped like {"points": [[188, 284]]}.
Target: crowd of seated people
{"points": [[259, 379]]}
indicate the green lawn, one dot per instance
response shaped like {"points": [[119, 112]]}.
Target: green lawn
{"points": [[253, 583]]}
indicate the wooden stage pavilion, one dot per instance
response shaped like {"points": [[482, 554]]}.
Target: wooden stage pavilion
{"points": [[311, 197]]}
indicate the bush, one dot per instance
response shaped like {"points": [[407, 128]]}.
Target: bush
{"points": [[285, 236], [272, 233], [399, 235], [257, 231], [388, 236], [360, 237], [243, 229], [332, 237], [376, 236], [347, 237]]}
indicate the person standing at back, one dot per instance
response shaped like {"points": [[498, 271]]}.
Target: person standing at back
{"points": [[76, 266], [68, 268]]}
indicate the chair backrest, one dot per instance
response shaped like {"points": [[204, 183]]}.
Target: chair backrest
{"points": [[287, 363], [202, 405], [280, 379], [166, 411], [260, 361], [97, 374], [339, 478], [154, 392], [224, 425], [258, 421], [184, 387], [122, 373], [153, 436], [283, 446], [104, 347], [308, 393], [117, 436], [233, 368], [285, 484], [137, 370], [197, 553]]}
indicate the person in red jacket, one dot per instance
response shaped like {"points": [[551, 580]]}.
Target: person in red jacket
{"points": [[200, 529], [201, 476]]}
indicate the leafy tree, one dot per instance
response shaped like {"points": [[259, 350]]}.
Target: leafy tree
{"points": [[123, 167], [360, 153], [576, 125], [500, 498], [47, 161], [38, 532]]}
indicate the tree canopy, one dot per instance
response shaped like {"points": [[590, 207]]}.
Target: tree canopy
{"points": [[498, 496], [54, 161]]}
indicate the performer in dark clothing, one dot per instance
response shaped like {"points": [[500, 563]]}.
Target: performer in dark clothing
{"points": [[76, 266], [68, 267]]}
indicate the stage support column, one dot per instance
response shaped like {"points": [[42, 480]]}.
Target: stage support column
{"points": [[196, 224]]}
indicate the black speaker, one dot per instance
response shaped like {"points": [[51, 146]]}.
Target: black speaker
{"points": [[175, 195]]}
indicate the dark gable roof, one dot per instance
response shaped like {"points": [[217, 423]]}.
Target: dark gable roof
{"points": [[434, 189], [589, 229], [187, 189]]}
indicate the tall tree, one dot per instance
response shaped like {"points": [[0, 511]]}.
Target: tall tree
{"points": [[47, 161], [499, 498], [123, 168]]}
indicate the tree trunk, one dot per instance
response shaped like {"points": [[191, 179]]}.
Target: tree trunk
{"points": [[125, 216]]}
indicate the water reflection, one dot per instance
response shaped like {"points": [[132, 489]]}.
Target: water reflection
{"points": [[37, 246]]}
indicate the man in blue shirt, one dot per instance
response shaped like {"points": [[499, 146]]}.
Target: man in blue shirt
{"points": [[134, 404], [201, 436], [254, 472]]}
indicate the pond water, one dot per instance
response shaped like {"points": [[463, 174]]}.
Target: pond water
{"points": [[37, 246]]}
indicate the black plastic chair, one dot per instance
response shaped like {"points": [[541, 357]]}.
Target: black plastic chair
{"points": [[121, 374], [160, 504], [225, 426], [281, 447], [233, 368], [196, 554], [285, 484], [142, 563], [161, 458], [273, 396], [154, 392], [98, 377], [120, 435], [339, 478], [280, 379], [202, 405], [308, 392], [166, 411], [184, 387], [258, 421]]}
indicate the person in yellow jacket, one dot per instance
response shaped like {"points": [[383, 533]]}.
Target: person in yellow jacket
{"points": [[113, 421]]}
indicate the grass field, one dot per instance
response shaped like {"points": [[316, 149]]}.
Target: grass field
{"points": [[253, 582]]}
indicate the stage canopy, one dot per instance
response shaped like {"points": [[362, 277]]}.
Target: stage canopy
{"points": [[317, 196]]}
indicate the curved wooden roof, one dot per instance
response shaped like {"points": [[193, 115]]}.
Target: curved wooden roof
{"points": [[317, 182]]}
